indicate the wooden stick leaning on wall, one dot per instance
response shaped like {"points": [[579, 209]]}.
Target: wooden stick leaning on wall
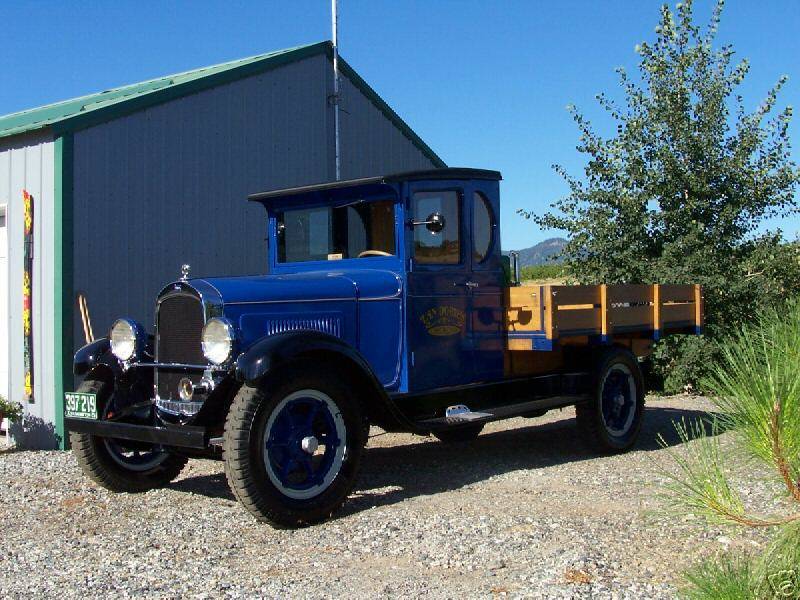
{"points": [[86, 320]]}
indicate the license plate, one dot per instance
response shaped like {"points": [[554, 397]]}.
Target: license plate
{"points": [[80, 405]]}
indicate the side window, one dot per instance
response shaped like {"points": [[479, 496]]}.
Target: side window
{"points": [[482, 227], [437, 247], [358, 230], [304, 234]]}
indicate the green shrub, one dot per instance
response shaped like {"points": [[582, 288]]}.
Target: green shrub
{"points": [[773, 575], [680, 362], [10, 410], [720, 578], [755, 388]]}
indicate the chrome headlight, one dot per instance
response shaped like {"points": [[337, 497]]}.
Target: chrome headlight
{"points": [[127, 339], [217, 341]]}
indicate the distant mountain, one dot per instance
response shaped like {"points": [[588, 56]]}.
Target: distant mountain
{"points": [[542, 252]]}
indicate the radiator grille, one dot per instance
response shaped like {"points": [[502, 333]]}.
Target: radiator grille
{"points": [[179, 326]]}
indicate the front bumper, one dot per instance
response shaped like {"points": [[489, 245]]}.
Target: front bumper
{"points": [[180, 436]]}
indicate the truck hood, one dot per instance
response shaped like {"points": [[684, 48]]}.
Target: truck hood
{"points": [[348, 284]]}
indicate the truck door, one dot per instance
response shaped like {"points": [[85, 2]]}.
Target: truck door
{"points": [[438, 292], [487, 279]]}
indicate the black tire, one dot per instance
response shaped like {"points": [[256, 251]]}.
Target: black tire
{"points": [[94, 456], [255, 484], [617, 374], [459, 435]]}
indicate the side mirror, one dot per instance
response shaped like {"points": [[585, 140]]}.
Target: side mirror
{"points": [[434, 223]]}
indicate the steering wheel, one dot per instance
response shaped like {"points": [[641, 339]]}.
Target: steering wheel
{"points": [[366, 253]]}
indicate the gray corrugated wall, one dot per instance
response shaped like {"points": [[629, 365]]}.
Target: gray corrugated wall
{"points": [[168, 185], [370, 143], [26, 163]]}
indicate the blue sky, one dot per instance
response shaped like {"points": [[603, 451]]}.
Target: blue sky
{"points": [[484, 83]]}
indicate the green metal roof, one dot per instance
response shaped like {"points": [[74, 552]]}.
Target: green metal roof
{"points": [[79, 113]]}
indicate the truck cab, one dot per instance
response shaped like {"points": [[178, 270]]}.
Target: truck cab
{"points": [[422, 254], [385, 303]]}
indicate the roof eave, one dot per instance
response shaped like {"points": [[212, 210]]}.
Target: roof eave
{"points": [[71, 123], [446, 173], [180, 90], [76, 122]]}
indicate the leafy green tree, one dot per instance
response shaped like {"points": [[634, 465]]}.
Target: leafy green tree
{"points": [[755, 388], [680, 192]]}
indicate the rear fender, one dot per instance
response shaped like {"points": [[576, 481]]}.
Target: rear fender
{"points": [[270, 354]]}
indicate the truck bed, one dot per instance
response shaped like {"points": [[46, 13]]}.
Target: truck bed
{"points": [[539, 317]]}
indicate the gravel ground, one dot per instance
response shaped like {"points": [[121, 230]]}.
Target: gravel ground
{"points": [[524, 511]]}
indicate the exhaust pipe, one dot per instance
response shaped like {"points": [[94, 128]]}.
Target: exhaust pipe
{"points": [[515, 270]]}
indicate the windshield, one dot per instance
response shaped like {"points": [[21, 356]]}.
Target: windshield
{"points": [[357, 230]]}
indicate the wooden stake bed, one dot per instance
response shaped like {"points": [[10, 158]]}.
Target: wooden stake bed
{"points": [[540, 316]]}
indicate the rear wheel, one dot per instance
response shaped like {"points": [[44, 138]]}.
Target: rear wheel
{"points": [[119, 465], [611, 420], [292, 448]]}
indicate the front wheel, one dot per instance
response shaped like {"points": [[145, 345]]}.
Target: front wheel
{"points": [[611, 420], [119, 465], [292, 447]]}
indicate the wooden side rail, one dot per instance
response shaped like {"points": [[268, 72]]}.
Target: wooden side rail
{"points": [[573, 310], [557, 311]]}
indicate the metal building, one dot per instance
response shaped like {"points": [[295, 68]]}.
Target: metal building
{"points": [[128, 184]]}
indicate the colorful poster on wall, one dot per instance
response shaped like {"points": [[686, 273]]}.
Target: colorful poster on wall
{"points": [[27, 297]]}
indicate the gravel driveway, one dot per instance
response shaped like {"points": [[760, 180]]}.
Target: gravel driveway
{"points": [[524, 511]]}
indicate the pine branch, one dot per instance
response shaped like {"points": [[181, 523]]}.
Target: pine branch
{"points": [[780, 458]]}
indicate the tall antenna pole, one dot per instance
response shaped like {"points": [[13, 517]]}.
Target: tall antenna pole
{"points": [[335, 18]]}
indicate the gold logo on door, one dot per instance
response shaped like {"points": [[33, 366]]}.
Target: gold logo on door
{"points": [[443, 320]]}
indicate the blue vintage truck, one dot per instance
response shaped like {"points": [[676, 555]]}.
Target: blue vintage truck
{"points": [[386, 303]]}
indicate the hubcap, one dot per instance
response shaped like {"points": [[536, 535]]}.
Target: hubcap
{"points": [[619, 399], [309, 444], [304, 444]]}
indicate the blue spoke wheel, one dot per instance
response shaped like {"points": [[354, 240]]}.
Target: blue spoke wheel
{"points": [[131, 457], [618, 397], [134, 459], [611, 420], [293, 444], [304, 444], [120, 465]]}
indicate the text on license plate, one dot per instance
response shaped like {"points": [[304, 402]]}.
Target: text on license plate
{"points": [[80, 405]]}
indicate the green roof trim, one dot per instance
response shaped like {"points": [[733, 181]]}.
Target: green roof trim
{"points": [[86, 111], [63, 302], [79, 113]]}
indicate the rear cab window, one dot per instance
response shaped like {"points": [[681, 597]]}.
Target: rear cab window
{"points": [[483, 226]]}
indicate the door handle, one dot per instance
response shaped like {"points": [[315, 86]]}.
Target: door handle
{"points": [[468, 284]]}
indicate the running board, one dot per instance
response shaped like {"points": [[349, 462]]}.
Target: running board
{"points": [[461, 415]]}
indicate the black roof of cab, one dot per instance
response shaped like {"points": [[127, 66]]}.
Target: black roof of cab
{"points": [[447, 173]]}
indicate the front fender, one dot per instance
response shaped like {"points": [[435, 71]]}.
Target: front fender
{"points": [[258, 360], [272, 351], [95, 353]]}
